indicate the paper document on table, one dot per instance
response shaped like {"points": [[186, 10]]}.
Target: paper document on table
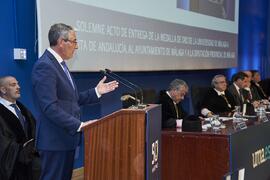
{"points": [[206, 126], [249, 116], [241, 174], [225, 118], [220, 118]]}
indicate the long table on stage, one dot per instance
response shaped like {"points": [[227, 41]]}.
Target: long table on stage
{"points": [[210, 155]]}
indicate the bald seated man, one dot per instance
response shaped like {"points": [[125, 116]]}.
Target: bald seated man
{"points": [[17, 132]]}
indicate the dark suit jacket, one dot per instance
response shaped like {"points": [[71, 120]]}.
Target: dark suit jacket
{"points": [[265, 84], [58, 105], [12, 138], [237, 98], [217, 104], [246, 99], [259, 92], [169, 115]]}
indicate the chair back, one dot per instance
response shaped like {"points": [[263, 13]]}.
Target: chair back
{"points": [[197, 95]]}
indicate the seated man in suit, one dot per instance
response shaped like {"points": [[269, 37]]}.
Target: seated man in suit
{"points": [[265, 84], [255, 79], [253, 94], [170, 101], [218, 100], [240, 81], [240, 94], [17, 130]]}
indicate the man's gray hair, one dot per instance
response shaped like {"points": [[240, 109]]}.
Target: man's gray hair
{"points": [[57, 31], [214, 80], [176, 84]]}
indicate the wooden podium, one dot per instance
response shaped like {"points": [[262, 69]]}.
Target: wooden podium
{"points": [[118, 146]]}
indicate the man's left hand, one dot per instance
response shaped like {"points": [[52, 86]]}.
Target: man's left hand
{"points": [[104, 88]]}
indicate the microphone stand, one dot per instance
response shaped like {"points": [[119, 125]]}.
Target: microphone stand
{"points": [[126, 85], [140, 105]]}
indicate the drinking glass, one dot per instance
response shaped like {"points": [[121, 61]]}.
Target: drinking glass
{"points": [[237, 116], [215, 123]]}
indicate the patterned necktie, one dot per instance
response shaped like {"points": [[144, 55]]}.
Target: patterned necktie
{"points": [[67, 73], [176, 110], [250, 95], [225, 98], [20, 116], [242, 100]]}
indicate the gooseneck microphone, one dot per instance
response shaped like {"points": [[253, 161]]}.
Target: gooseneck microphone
{"points": [[122, 82], [126, 81]]}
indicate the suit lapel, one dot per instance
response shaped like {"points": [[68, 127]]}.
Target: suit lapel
{"points": [[60, 70], [237, 95], [173, 106], [28, 117]]}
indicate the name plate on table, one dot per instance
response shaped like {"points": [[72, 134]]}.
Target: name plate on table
{"points": [[240, 125]]}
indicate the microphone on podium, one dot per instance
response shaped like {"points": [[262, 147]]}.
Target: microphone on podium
{"points": [[127, 81], [128, 84], [125, 97]]}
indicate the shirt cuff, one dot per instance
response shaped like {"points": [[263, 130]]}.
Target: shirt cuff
{"points": [[80, 128], [97, 93], [205, 111]]}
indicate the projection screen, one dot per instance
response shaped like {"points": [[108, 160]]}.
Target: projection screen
{"points": [[145, 35]]}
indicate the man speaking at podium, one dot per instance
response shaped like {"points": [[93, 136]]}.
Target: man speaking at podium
{"points": [[58, 101]]}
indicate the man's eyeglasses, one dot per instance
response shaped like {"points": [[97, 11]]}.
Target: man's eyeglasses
{"points": [[71, 41], [221, 82]]}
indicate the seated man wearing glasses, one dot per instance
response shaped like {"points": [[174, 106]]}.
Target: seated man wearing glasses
{"points": [[170, 101], [218, 100]]}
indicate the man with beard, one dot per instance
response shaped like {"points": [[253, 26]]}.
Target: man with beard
{"points": [[18, 158]]}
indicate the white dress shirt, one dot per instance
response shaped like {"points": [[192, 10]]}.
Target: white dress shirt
{"points": [[7, 104]]}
